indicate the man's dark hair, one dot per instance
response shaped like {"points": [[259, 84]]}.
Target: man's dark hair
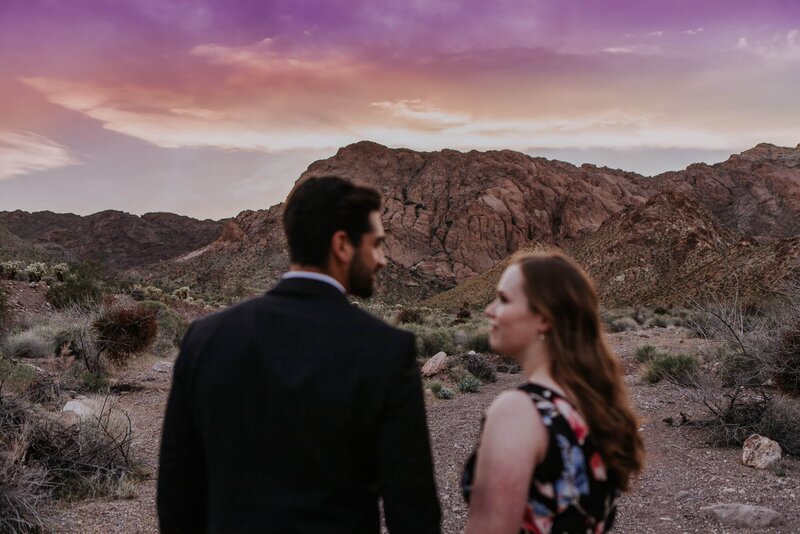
{"points": [[321, 206]]}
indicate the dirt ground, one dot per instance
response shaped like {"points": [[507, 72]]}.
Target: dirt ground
{"points": [[683, 474]]}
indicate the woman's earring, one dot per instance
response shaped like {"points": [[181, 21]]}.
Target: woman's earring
{"points": [[541, 337]]}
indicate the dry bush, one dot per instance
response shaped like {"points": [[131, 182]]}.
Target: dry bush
{"points": [[623, 324], [786, 359], [755, 356], [680, 368], [410, 315], [479, 342], [480, 367], [36, 342], [123, 332], [5, 310]]}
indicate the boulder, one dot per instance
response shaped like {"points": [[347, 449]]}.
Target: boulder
{"points": [[743, 515], [83, 408], [163, 367], [435, 365], [760, 452]]}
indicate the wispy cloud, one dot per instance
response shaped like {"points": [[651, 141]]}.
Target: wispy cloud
{"points": [[421, 113], [695, 31], [25, 152]]}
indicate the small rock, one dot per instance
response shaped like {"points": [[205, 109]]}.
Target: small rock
{"points": [[683, 496], [743, 515], [472, 353], [760, 452], [435, 365], [163, 367], [78, 407]]}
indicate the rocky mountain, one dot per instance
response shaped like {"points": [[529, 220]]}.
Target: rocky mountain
{"points": [[115, 239], [451, 215], [15, 248], [448, 215], [670, 250], [755, 194]]}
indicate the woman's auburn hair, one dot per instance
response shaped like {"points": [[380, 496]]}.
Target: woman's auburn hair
{"points": [[582, 363]]}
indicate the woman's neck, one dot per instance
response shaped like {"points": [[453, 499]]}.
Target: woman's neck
{"points": [[536, 367]]}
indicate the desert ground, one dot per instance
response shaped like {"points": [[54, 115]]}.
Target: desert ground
{"points": [[683, 472]]}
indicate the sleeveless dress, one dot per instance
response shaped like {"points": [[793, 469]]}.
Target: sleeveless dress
{"points": [[570, 491]]}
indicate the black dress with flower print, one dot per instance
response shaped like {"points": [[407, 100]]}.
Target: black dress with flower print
{"points": [[570, 491]]}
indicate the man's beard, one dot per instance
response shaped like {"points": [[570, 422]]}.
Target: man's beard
{"points": [[360, 278]]}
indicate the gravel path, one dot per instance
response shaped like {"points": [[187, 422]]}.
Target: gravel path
{"points": [[677, 458]]}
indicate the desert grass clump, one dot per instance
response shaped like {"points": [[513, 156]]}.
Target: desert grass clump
{"points": [[445, 393], [123, 332], [479, 342], [28, 382], [479, 366], [435, 387], [659, 321], [36, 342], [469, 384], [645, 353], [680, 368], [436, 340], [623, 324]]}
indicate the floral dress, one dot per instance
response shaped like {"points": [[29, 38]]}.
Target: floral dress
{"points": [[570, 491]]}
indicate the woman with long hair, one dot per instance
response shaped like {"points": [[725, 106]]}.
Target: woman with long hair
{"points": [[556, 452]]}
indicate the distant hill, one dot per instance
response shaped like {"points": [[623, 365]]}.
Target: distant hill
{"points": [[668, 251], [452, 215], [115, 239]]}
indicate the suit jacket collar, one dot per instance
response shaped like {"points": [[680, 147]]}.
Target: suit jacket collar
{"points": [[308, 287]]}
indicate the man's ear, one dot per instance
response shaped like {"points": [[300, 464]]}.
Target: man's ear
{"points": [[342, 248]]}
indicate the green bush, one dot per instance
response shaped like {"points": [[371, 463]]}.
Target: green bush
{"points": [[659, 321], [681, 368], [737, 368], [5, 310], [469, 384], [479, 342], [435, 387], [436, 340], [171, 327], [645, 353], [446, 393], [36, 271], [83, 380], [124, 332], [480, 367], [84, 285], [623, 324]]}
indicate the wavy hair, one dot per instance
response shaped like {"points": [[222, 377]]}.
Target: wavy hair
{"points": [[582, 362]]}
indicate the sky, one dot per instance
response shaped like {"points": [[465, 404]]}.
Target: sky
{"points": [[209, 107]]}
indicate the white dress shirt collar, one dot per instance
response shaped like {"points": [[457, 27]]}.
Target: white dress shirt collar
{"points": [[315, 276]]}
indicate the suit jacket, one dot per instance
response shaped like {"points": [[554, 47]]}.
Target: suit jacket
{"points": [[293, 413]]}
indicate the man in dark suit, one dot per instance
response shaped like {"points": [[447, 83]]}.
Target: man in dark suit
{"points": [[294, 412]]}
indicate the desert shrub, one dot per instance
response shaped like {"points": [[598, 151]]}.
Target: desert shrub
{"points": [[410, 315], [27, 382], [171, 327], [738, 368], [83, 380], [640, 316], [123, 332], [469, 384], [435, 387], [5, 310], [446, 393], [36, 271], [36, 342], [457, 372], [436, 340], [82, 286], [479, 366], [659, 321], [60, 271], [479, 342], [623, 324], [661, 310], [681, 368], [644, 353], [182, 293], [9, 269], [781, 422], [786, 358]]}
